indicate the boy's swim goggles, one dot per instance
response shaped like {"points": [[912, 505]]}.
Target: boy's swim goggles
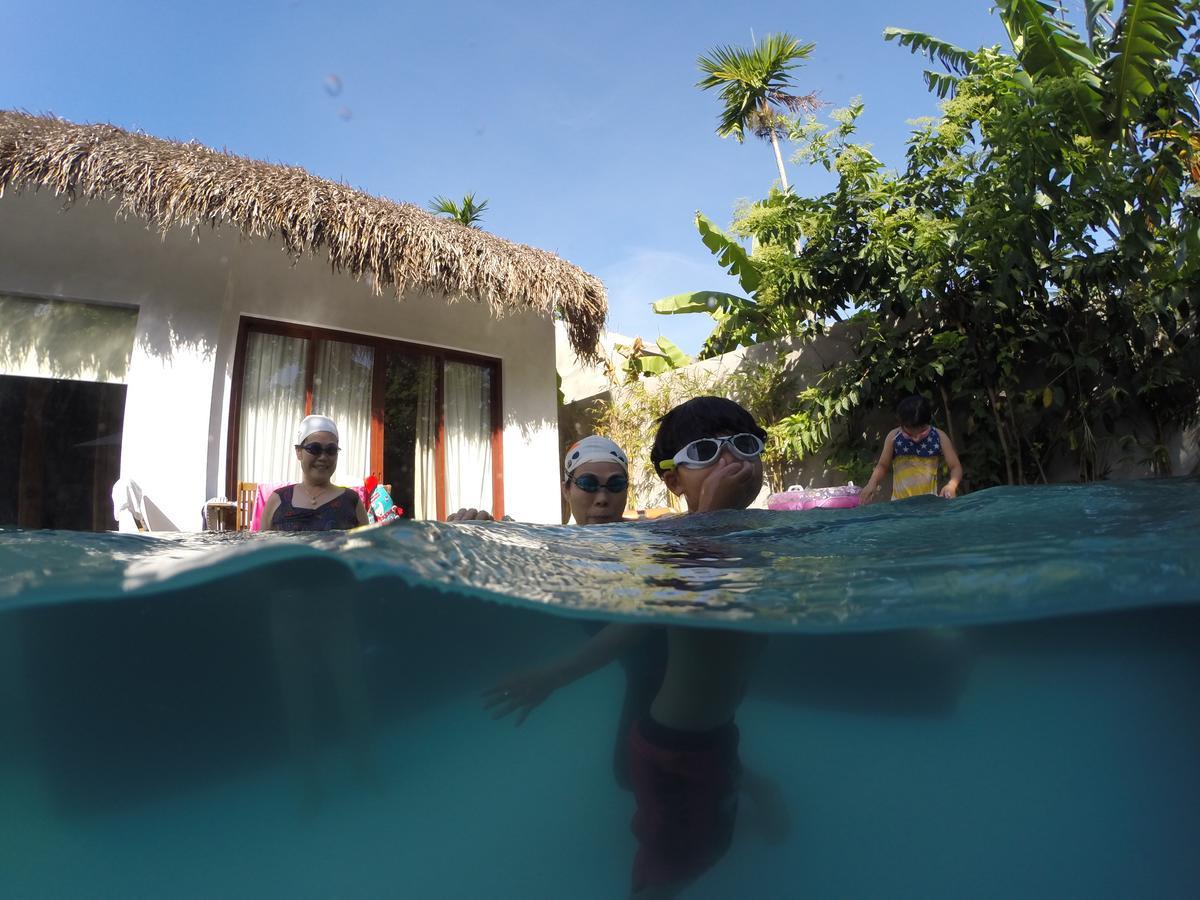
{"points": [[705, 451]]}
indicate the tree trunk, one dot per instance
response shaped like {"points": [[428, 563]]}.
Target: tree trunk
{"points": [[779, 159], [963, 485], [1016, 435], [994, 402]]}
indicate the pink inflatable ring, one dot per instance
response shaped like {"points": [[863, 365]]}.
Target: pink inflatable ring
{"points": [[841, 497]]}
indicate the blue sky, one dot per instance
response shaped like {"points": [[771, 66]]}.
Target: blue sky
{"points": [[580, 122]]}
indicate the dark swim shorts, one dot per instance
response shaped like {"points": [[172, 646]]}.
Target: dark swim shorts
{"points": [[686, 784]]}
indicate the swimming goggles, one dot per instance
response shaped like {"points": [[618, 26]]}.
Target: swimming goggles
{"points": [[705, 451], [315, 449], [589, 483]]}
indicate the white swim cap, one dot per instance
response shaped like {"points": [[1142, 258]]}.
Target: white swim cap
{"points": [[312, 424], [594, 448]]}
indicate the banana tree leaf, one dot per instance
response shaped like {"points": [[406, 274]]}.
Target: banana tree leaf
{"points": [[696, 302], [955, 59], [1048, 47], [1092, 11], [730, 255], [1148, 35], [676, 357], [651, 365]]}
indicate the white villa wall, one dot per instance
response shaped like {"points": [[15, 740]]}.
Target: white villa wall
{"points": [[191, 292]]}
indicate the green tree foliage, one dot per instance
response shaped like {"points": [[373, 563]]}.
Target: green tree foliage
{"points": [[1033, 268], [467, 213]]}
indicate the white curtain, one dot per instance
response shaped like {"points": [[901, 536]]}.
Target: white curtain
{"points": [[342, 391], [468, 436], [424, 462], [272, 405]]}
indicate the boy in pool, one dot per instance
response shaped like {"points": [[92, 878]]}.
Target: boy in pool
{"points": [[686, 770], [913, 452], [682, 752]]}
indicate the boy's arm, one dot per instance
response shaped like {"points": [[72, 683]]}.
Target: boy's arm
{"points": [[881, 468], [525, 691], [952, 460]]}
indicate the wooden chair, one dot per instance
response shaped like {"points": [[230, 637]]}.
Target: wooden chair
{"points": [[246, 493]]}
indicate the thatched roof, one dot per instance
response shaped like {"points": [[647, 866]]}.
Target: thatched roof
{"points": [[401, 246]]}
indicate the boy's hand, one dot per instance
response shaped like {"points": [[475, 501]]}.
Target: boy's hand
{"points": [[521, 694], [950, 491], [733, 485]]}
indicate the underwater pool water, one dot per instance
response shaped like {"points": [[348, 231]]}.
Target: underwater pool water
{"points": [[993, 697]]}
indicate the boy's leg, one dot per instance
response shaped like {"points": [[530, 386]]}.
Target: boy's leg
{"points": [[685, 784]]}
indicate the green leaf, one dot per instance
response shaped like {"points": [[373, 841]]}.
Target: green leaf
{"points": [[730, 255], [711, 302], [1048, 397], [675, 357], [941, 84], [1092, 10], [955, 59], [1147, 37], [1048, 47]]}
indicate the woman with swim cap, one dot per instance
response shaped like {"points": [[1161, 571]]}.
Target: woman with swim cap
{"points": [[315, 632], [315, 503]]}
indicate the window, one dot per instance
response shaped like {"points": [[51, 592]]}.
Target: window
{"points": [[423, 419], [63, 368]]}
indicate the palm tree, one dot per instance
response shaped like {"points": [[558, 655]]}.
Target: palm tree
{"points": [[467, 213], [755, 85]]}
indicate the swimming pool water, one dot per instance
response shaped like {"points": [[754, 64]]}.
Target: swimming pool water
{"points": [[992, 697]]}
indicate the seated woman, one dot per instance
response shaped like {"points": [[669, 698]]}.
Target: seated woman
{"points": [[315, 503], [314, 631]]}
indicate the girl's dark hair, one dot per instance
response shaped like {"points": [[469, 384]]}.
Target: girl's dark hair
{"points": [[700, 417], [914, 411]]}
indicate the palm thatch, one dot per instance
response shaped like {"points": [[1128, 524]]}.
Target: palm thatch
{"points": [[399, 245]]}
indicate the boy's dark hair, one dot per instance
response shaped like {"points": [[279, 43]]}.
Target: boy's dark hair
{"points": [[700, 417], [914, 411]]}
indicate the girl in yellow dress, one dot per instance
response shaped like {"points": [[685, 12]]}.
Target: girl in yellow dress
{"points": [[914, 452]]}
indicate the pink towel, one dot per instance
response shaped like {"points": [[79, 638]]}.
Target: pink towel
{"points": [[264, 493], [261, 496]]}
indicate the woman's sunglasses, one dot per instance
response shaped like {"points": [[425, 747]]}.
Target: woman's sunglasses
{"points": [[315, 449], [589, 484], [705, 451]]}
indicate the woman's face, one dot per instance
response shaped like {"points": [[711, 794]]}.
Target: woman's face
{"points": [[317, 469], [600, 507]]}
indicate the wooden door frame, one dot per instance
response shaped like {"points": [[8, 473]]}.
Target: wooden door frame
{"points": [[314, 333]]}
